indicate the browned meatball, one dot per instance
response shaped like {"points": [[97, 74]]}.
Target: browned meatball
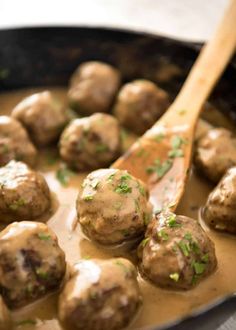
{"points": [[215, 153], [176, 252], [101, 295], [93, 87], [220, 209], [43, 117], [5, 317], [139, 104], [24, 193], [31, 262], [113, 206], [90, 143], [15, 143]]}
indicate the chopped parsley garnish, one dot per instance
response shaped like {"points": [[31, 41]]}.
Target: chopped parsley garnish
{"points": [[125, 232], [205, 258], [160, 168], [174, 276], [16, 204], [123, 187], [162, 234], [141, 189], [111, 177], [63, 175], [159, 137], [142, 152], [185, 248], [42, 274], [101, 147], [146, 218], [44, 237], [26, 322], [177, 142], [188, 236], [199, 267], [174, 153], [145, 241], [171, 221], [88, 198]]}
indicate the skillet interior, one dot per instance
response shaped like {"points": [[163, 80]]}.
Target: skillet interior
{"points": [[56, 52]]}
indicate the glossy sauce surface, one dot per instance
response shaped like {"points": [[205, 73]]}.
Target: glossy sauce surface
{"points": [[159, 306]]}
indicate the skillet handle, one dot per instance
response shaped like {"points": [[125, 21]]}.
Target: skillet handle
{"points": [[218, 316]]}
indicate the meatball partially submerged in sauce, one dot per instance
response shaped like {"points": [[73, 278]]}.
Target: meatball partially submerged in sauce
{"points": [[43, 117], [220, 209], [215, 153], [101, 295], [139, 104], [90, 143], [5, 317], [113, 206], [31, 262], [15, 143], [24, 193], [176, 252], [93, 87]]}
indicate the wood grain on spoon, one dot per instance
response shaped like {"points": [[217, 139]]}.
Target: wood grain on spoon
{"points": [[162, 156]]}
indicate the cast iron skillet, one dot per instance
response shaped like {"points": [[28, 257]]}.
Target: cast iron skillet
{"points": [[47, 56]]}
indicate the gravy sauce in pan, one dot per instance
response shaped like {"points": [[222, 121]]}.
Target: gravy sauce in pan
{"points": [[159, 305]]}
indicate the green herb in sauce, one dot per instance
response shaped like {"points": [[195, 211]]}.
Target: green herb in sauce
{"points": [[162, 234], [44, 237], [160, 168], [63, 175]]}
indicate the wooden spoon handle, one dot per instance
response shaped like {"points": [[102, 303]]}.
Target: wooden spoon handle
{"points": [[205, 72]]}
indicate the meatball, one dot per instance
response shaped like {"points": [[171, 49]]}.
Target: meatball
{"points": [[43, 117], [101, 295], [24, 193], [5, 317], [139, 104], [93, 87], [15, 143], [215, 153], [31, 262], [90, 143], [220, 209], [113, 206], [176, 252]]}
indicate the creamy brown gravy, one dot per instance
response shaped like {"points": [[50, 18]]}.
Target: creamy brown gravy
{"points": [[159, 306]]}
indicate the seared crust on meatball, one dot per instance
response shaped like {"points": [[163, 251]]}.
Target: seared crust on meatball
{"points": [[31, 262], [113, 206], [93, 87], [176, 252], [5, 317], [215, 153], [90, 143], [220, 209], [24, 193], [101, 295], [15, 143], [43, 117], [139, 104]]}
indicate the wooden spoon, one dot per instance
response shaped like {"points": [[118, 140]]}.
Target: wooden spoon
{"points": [[162, 156]]}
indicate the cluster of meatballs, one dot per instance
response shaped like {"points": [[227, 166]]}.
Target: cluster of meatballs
{"points": [[112, 206]]}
